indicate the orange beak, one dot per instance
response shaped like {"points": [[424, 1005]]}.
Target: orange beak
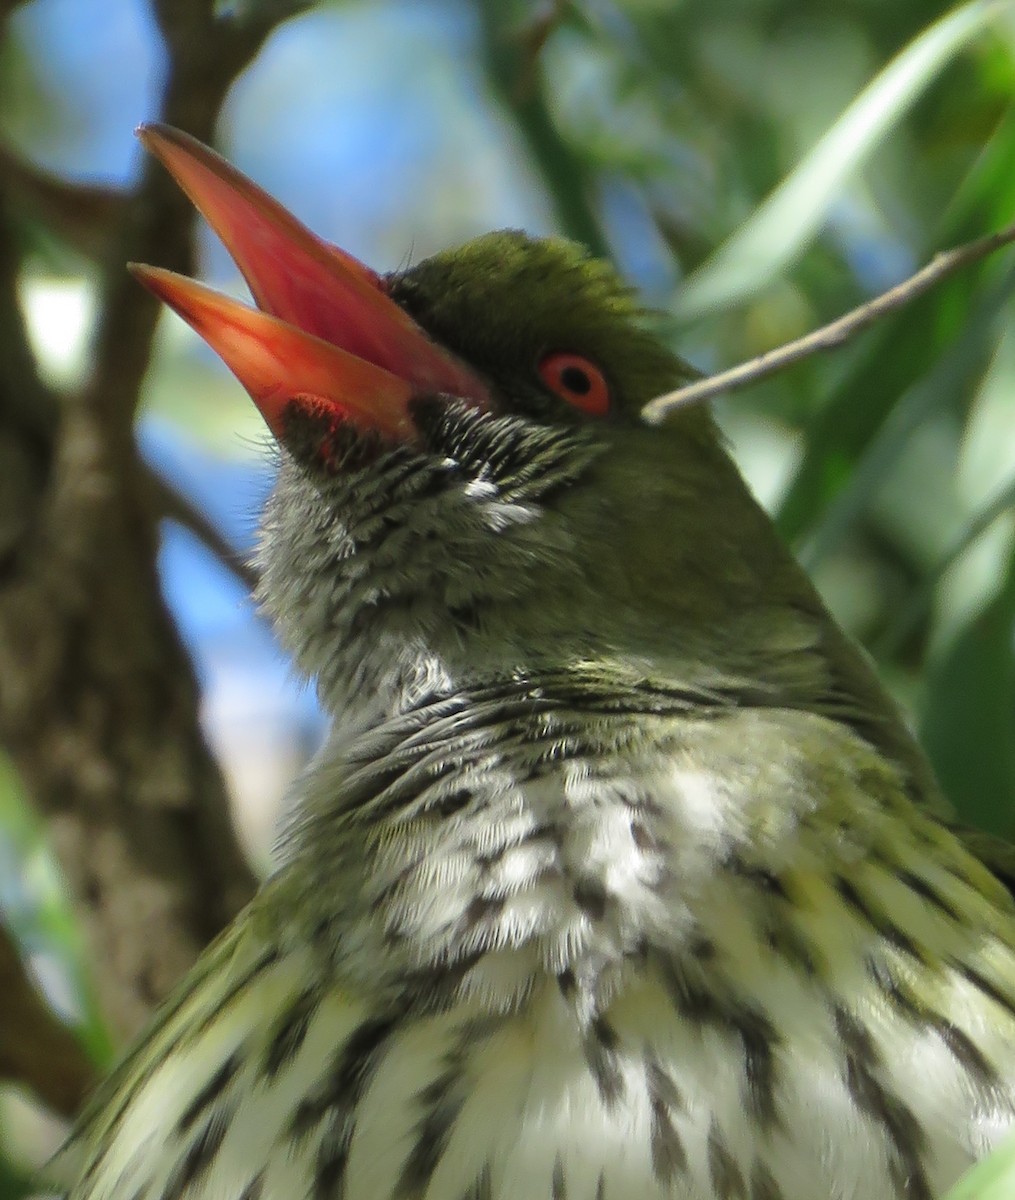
{"points": [[324, 333]]}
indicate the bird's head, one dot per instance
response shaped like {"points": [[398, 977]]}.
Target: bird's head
{"points": [[467, 488]]}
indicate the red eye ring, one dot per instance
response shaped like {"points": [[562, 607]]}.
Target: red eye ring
{"points": [[578, 381]]}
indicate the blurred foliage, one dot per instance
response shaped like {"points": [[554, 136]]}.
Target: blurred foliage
{"points": [[756, 166], [36, 909]]}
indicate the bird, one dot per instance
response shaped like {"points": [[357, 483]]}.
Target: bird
{"points": [[618, 873]]}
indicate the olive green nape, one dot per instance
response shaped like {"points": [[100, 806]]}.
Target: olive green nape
{"points": [[505, 299]]}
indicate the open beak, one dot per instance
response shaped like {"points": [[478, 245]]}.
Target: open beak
{"points": [[324, 332]]}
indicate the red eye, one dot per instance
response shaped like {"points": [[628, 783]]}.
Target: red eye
{"points": [[578, 381]]}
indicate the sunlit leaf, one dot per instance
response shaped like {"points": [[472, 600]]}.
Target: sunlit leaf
{"points": [[993, 1179], [891, 358], [917, 604], [952, 377], [788, 219]]}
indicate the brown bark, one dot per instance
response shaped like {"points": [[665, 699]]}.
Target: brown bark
{"points": [[98, 709], [98, 702], [35, 1049]]}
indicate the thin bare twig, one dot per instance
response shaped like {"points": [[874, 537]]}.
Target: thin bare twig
{"points": [[533, 39], [168, 502], [830, 336]]}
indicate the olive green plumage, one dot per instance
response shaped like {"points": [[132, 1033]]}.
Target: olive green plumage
{"points": [[502, 301], [619, 873]]}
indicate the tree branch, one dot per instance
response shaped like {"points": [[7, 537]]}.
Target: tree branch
{"points": [[831, 336], [83, 216], [172, 504], [6, 8], [98, 702], [206, 55], [36, 1049], [511, 57]]}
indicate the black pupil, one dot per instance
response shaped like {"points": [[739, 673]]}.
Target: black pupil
{"points": [[576, 380]]}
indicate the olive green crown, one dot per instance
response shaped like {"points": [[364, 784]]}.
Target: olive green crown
{"points": [[505, 300]]}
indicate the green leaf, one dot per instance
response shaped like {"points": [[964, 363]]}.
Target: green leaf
{"points": [[788, 219], [38, 911], [919, 601], [14, 1183], [992, 1179], [900, 351], [968, 727], [953, 377]]}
